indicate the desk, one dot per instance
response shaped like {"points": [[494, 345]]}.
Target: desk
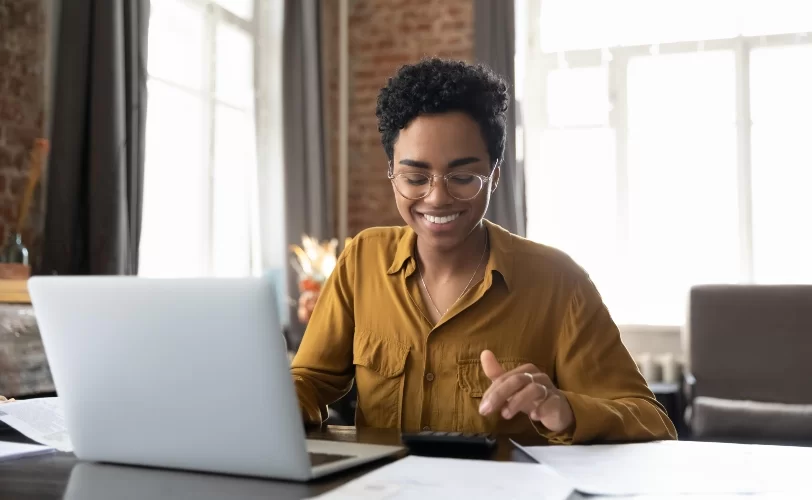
{"points": [[48, 477]]}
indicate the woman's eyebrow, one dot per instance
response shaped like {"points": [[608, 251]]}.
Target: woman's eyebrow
{"points": [[459, 162], [414, 163]]}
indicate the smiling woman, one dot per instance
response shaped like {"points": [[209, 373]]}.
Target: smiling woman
{"points": [[452, 323]]}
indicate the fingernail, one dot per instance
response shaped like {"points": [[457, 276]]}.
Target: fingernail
{"points": [[485, 408], [534, 415], [506, 413]]}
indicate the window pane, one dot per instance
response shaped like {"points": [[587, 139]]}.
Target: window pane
{"points": [[682, 89], [571, 199], [578, 96], [781, 103], [174, 232], [591, 24], [771, 17], [241, 8], [176, 32], [781, 85], [683, 194], [234, 162], [235, 66]]}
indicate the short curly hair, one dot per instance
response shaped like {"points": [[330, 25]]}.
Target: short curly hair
{"points": [[437, 86]]}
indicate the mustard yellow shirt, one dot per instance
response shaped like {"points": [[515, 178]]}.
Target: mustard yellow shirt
{"points": [[534, 305]]}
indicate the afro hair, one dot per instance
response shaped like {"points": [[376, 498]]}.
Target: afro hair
{"points": [[436, 85]]}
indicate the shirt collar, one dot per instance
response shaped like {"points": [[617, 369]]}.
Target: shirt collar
{"points": [[499, 261], [404, 252]]}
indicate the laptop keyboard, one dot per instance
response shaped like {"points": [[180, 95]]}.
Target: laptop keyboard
{"points": [[325, 458]]}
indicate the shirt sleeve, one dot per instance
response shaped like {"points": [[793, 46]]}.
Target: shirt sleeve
{"points": [[322, 369], [610, 399]]}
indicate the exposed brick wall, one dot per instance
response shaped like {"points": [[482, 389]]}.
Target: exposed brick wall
{"points": [[23, 39], [383, 35]]}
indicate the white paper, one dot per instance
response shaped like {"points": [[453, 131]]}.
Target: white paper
{"points": [[672, 468], [41, 420], [423, 478], [10, 451]]}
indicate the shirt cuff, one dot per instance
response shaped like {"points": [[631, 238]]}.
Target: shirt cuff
{"points": [[582, 428], [311, 412]]}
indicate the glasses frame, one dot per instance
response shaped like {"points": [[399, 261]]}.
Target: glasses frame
{"points": [[484, 178]]}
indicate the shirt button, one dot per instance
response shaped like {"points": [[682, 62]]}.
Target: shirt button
{"points": [[430, 377], [426, 428]]}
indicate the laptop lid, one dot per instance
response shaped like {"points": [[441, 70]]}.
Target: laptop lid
{"points": [[181, 373]]}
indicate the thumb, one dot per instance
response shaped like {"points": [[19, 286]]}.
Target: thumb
{"points": [[490, 365]]}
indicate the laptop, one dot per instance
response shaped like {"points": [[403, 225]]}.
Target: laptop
{"points": [[181, 373]]}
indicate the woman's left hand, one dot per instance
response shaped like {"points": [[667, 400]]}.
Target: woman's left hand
{"points": [[524, 390]]}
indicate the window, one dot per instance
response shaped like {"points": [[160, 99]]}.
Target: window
{"points": [[666, 143], [199, 215]]}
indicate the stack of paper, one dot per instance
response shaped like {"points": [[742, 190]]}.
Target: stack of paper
{"points": [[422, 478], [10, 451], [678, 468]]}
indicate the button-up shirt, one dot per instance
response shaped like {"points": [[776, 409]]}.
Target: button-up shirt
{"points": [[534, 305]]}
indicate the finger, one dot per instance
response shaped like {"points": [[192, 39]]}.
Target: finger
{"points": [[496, 395], [526, 400], [526, 368], [490, 365]]}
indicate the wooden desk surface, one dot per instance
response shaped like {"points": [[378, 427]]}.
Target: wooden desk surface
{"points": [[61, 475]]}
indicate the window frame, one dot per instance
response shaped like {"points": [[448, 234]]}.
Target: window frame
{"points": [[533, 109]]}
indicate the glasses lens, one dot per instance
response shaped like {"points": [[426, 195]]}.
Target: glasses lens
{"points": [[412, 185], [464, 186]]}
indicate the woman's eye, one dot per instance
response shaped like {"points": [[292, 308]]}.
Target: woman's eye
{"points": [[462, 178], [416, 180]]}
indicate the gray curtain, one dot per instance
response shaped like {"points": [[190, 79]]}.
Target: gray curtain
{"points": [[95, 173], [306, 178], [494, 45]]}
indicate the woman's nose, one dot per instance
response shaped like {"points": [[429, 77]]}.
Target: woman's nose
{"points": [[439, 195]]}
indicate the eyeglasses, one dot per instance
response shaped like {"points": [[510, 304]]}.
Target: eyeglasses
{"points": [[462, 186]]}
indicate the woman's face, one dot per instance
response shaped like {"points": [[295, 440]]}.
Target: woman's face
{"points": [[437, 145]]}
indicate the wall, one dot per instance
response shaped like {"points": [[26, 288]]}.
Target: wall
{"points": [[23, 50], [383, 35]]}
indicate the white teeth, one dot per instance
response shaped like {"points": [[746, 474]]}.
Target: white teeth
{"points": [[441, 220]]}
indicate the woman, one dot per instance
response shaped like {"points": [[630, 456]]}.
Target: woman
{"points": [[452, 323]]}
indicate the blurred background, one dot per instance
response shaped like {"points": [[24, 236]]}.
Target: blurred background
{"points": [[664, 144]]}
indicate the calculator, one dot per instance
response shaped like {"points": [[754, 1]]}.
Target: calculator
{"points": [[449, 444]]}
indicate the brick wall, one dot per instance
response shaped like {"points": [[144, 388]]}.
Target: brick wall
{"points": [[383, 35], [23, 39]]}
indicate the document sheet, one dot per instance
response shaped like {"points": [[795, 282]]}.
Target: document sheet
{"points": [[41, 420], [673, 467], [423, 478]]}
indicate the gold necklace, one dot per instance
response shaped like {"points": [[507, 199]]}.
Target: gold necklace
{"points": [[431, 299]]}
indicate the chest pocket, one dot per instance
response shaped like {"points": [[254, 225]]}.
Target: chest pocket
{"points": [[379, 366], [472, 384]]}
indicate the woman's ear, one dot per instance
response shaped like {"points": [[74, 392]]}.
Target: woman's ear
{"points": [[495, 175]]}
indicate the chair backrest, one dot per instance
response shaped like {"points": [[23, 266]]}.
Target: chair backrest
{"points": [[752, 342]]}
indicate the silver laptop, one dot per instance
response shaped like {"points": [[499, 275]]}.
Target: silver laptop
{"points": [[184, 373]]}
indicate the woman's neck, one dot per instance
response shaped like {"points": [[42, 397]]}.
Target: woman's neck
{"points": [[444, 264]]}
